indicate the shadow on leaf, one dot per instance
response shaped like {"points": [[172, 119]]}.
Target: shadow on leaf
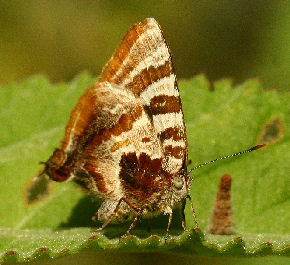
{"points": [[84, 210]]}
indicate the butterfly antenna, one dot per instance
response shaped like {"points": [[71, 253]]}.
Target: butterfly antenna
{"points": [[228, 156]]}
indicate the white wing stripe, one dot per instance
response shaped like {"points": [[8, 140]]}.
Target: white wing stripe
{"points": [[168, 120], [156, 59], [164, 86], [173, 143]]}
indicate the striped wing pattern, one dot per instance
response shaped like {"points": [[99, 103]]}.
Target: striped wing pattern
{"points": [[142, 63], [122, 134]]}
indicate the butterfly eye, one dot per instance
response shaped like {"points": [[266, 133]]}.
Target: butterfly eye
{"points": [[178, 183]]}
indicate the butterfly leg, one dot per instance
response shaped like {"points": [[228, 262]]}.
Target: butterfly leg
{"points": [[133, 224], [169, 224], [183, 222], [136, 208], [192, 210], [109, 218]]}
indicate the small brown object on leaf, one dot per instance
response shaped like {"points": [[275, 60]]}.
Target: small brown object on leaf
{"points": [[221, 220]]}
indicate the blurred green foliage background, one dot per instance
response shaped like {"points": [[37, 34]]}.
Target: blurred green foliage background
{"points": [[231, 38]]}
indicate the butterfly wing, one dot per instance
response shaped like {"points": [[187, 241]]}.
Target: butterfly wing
{"points": [[120, 152], [142, 63]]}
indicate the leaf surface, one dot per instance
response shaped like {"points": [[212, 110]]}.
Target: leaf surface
{"points": [[220, 120]]}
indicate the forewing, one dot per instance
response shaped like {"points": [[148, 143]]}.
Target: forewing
{"points": [[142, 63]]}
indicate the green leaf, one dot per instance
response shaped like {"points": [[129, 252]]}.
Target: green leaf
{"points": [[220, 120]]}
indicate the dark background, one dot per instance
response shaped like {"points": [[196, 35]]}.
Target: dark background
{"points": [[236, 39]]}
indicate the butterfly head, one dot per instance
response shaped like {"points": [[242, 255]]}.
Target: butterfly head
{"points": [[180, 187]]}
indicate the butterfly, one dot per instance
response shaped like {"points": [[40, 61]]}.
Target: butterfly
{"points": [[125, 141]]}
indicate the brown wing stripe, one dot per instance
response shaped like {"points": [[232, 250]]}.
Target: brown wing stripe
{"points": [[177, 151], [124, 124], [165, 104], [98, 178], [175, 133], [149, 76]]}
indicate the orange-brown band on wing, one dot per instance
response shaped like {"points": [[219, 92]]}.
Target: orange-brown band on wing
{"points": [[98, 178], [146, 139], [125, 123], [119, 145], [80, 118], [123, 50]]}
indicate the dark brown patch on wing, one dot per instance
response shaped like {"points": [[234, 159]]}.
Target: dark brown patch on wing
{"points": [[138, 175], [163, 104], [146, 139], [177, 151], [169, 133]]}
